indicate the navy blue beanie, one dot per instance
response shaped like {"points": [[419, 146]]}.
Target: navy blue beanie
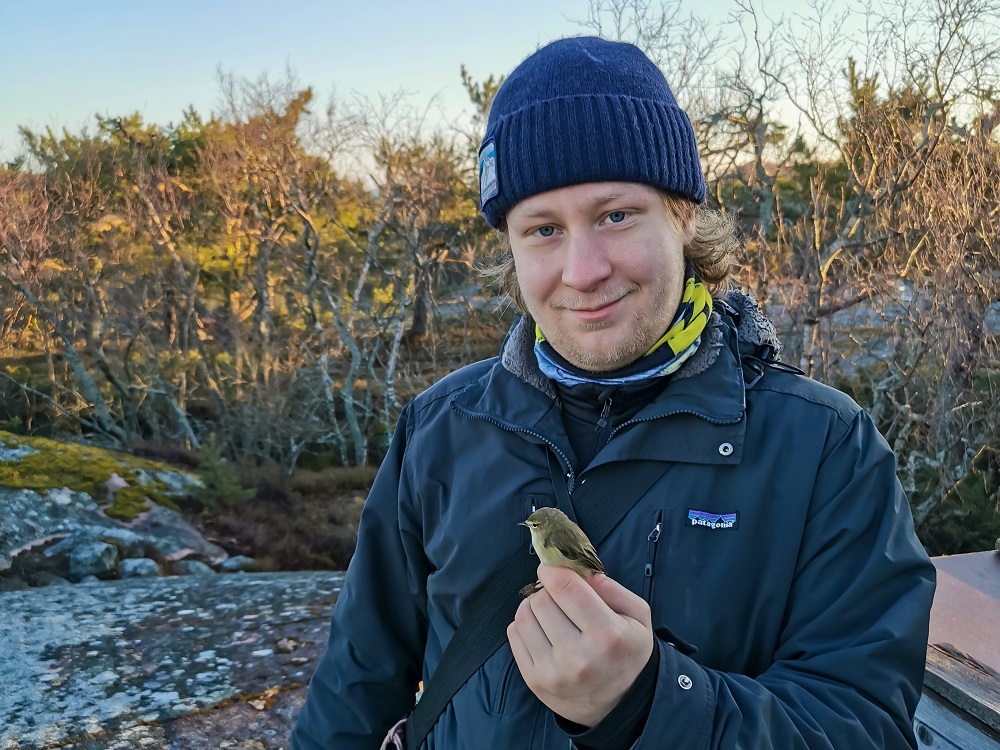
{"points": [[585, 110]]}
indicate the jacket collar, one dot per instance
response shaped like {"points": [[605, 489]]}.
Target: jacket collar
{"points": [[708, 388]]}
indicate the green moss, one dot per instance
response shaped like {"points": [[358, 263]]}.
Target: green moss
{"points": [[84, 469]]}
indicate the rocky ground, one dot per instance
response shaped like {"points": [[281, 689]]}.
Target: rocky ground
{"points": [[176, 662], [124, 627]]}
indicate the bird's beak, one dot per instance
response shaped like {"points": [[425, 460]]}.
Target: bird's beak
{"points": [[524, 523]]}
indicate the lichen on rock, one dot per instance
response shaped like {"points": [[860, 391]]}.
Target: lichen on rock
{"points": [[128, 663], [40, 464], [62, 514]]}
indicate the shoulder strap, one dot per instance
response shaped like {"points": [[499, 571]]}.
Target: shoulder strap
{"points": [[601, 501]]}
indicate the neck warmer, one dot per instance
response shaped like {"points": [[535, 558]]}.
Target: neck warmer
{"points": [[665, 356]]}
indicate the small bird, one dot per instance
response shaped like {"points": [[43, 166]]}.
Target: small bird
{"points": [[561, 543]]}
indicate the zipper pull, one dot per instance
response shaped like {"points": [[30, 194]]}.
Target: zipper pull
{"points": [[653, 538], [602, 421], [647, 571], [654, 535], [531, 546]]}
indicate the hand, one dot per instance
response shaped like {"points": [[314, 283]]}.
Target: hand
{"points": [[580, 643]]}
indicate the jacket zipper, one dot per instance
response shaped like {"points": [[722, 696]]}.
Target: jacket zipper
{"points": [[673, 414], [652, 539], [602, 423], [531, 546], [563, 458]]}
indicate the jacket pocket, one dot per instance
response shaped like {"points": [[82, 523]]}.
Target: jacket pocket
{"points": [[652, 544], [502, 687]]}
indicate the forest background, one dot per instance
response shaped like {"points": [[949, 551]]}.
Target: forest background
{"points": [[256, 292]]}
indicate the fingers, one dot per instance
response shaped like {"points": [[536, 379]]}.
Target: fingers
{"points": [[620, 599], [575, 597], [521, 653], [576, 653], [558, 627], [532, 641]]}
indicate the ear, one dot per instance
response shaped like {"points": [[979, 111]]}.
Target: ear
{"points": [[689, 228]]}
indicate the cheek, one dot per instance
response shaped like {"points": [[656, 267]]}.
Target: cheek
{"points": [[647, 262], [535, 277]]}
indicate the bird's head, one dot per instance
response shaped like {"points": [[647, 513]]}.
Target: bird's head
{"points": [[544, 518]]}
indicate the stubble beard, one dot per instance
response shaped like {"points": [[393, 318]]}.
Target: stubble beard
{"points": [[636, 338], [641, 334]]}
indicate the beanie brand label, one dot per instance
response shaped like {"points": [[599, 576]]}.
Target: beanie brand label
{"points": [[488, 186]]}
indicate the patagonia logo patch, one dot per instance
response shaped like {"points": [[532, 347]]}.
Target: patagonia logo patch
{"points": [[713, 520], [488, 184]]}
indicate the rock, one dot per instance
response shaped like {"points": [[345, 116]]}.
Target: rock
{"points": [[177, 483], [15, 453], [57, 581], [192, 568], [65, 545], [112, 484], [161, 663], [92, 559], [42, 578], [991, 321], [142, 567], [59, 521], [129, 543], [62, 496], [48, 490], [13, 584], [237, 564], [169, 537]]}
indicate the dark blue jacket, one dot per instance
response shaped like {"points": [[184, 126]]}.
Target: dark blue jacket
{"points": [[786, 555]]}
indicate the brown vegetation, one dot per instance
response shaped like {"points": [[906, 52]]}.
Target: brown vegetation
{"points": [[286, 276]]}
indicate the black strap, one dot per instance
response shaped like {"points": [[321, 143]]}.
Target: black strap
{"points": [[601, 501]]}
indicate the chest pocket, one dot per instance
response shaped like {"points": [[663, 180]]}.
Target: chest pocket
{"points": [[692, 558], [652, 547]]}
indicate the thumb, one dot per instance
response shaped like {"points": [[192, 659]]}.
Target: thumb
{"points": [[620, 599]]}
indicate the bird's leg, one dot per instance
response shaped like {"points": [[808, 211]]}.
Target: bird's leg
{"points": [[530, 589]]}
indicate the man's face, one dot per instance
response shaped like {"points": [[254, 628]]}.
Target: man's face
{"points": [[601, 269]]}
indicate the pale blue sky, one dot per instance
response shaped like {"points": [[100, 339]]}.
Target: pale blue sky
{"points": [[61, 61]]}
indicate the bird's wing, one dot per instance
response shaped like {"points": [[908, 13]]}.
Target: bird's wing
{"points": [[586, 557]]}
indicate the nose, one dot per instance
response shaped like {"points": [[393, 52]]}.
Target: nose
{"points": [[585, 263]]}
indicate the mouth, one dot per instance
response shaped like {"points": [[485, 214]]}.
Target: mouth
{"points": [[599, 309], [596, 313]]}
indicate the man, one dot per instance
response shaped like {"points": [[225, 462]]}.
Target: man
{"points": [[767, 592]]}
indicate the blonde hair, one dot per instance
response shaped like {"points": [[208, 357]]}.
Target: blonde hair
{"points": [[712, 252]]}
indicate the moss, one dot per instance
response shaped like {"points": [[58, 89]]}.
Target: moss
{"points": [[84, 469]]}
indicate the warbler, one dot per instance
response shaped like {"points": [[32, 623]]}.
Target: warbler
{"points": [[561, 543]]}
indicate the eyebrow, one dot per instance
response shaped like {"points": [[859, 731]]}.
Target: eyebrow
{"points": [[603, 200]]}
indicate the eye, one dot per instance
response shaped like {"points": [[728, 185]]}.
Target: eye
{"points": [[546, 231], [617, 217]]}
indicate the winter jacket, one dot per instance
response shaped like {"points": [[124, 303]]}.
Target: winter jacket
{"points": [[778, 543]]}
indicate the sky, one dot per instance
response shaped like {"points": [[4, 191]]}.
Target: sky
{"points": [[62, 61]]}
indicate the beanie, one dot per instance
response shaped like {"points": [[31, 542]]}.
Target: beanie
{"points": [[585, 110]]}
